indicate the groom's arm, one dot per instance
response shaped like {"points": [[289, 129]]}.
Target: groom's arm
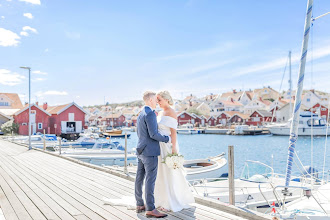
{"points": [[151, 121]]}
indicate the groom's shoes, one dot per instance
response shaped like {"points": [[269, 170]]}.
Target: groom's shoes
{"points": [[140, 209], [155, 214]]}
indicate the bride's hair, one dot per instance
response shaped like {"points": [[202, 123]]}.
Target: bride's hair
{"points": [[166, 95]]}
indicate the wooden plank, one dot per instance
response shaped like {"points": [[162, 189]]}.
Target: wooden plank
{"points": [[24, 184], [28, 170], [6, 207], [14, 201], [47, 199]]}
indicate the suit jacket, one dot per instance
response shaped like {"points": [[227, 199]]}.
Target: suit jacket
{"points": [[147, 131]]}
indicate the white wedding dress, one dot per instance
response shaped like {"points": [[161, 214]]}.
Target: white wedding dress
{"points": [[172, 191]]}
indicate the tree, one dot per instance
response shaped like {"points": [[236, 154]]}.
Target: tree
{"points": [[10, 127], [195, 111]]}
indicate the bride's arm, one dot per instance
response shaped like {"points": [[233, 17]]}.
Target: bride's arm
{"points": [[173, 138]]}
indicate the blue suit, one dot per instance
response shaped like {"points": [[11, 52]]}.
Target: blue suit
{"points": [[147, 151]]}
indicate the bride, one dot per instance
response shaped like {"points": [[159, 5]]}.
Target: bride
{"points": [[172, 192]]}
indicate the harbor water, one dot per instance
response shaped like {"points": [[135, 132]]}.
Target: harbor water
{"points": [[259, 148]]}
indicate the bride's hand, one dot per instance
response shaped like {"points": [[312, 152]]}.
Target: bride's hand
{"points": [[174, 150]]}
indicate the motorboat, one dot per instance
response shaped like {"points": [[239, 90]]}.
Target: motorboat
{"points": [[212, 167], [100, 147], [103, 154], [309, 124], [114, 131], [105, 134], [187, 129]]}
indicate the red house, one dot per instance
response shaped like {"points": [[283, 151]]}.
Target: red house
{"points": [[116, 120], [320, 109], [185, 118], [239, 118], [134, 120], [39, 120], [211, 121], [224, 117], [66, 119], [259, 117]]}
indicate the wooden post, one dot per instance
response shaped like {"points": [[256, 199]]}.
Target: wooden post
{"points": [[44, 139], [60, 145], [231, 175], [125, 165]]}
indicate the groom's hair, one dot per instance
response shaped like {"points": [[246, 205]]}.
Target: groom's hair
{"points": [[147, 95]]}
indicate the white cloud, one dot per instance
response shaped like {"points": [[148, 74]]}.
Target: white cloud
{"points": [[8, 38], [53, 92], [9, 78], [28, 15], [46, 50], [35, 2], [41, 94], [72, 35], [24, 33], [28, 28], [39, 72], [2, 17], [39, 79]]}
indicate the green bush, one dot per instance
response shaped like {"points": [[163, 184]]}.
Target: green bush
{"points": [[9, 127]]}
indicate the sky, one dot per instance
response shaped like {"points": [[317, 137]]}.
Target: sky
{"points": [[92, 52]]}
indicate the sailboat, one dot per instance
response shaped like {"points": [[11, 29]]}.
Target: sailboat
{"points": [[314, 204]]}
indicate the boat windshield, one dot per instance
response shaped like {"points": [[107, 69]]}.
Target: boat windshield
{"points": [[255, 171], [317, 122]]}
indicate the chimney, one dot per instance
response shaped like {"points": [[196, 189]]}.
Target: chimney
{"points": [[45, 106], [26, 103], [260, 98], [234, 91], [312, 90], [37, 103], [231, 99]]}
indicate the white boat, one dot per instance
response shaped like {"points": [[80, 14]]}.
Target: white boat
{"points": [[205, 168], [187, 129], [309, 123], [314, 205], [102, 154], [256, 183]]}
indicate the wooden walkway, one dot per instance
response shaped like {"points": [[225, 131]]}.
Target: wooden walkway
{"points": [[36, 185]]}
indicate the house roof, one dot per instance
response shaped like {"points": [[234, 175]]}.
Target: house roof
{"points": [[9, 111], [114, 115], [241, 115], [191, 115], [5, 116], [263, 113], [16, 104], [27, 107], [232, 103], [61, 108], [228, 113]]}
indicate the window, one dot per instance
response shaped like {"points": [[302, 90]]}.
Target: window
{"points": [[308, 100], [182, 116], [301, 122], [323, 109], [4, 103], [39, 125], [24, 124], [71, 116]]}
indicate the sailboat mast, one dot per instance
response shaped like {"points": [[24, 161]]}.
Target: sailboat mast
{"points": [[290, 83], [297, 103]]}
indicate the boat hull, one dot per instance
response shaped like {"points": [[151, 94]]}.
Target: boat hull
{"points": [[285, 131]]}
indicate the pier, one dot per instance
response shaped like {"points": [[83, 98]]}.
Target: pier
{"points": [[40, 185]]}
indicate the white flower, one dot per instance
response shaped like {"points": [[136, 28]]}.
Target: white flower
{"points": [[174, 161]]}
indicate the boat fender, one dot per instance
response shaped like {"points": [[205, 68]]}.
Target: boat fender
{"points": [[303, 129]]}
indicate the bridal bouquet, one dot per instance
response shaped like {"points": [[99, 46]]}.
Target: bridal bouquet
{"points": [[174, 161]]}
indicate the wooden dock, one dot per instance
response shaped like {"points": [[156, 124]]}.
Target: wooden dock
{"points": [[37, 185]]}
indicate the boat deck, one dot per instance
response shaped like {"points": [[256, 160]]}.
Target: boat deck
{"points": [[37, 185]]}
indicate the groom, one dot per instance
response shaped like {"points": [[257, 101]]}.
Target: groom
{"points": [[147, 153]]}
